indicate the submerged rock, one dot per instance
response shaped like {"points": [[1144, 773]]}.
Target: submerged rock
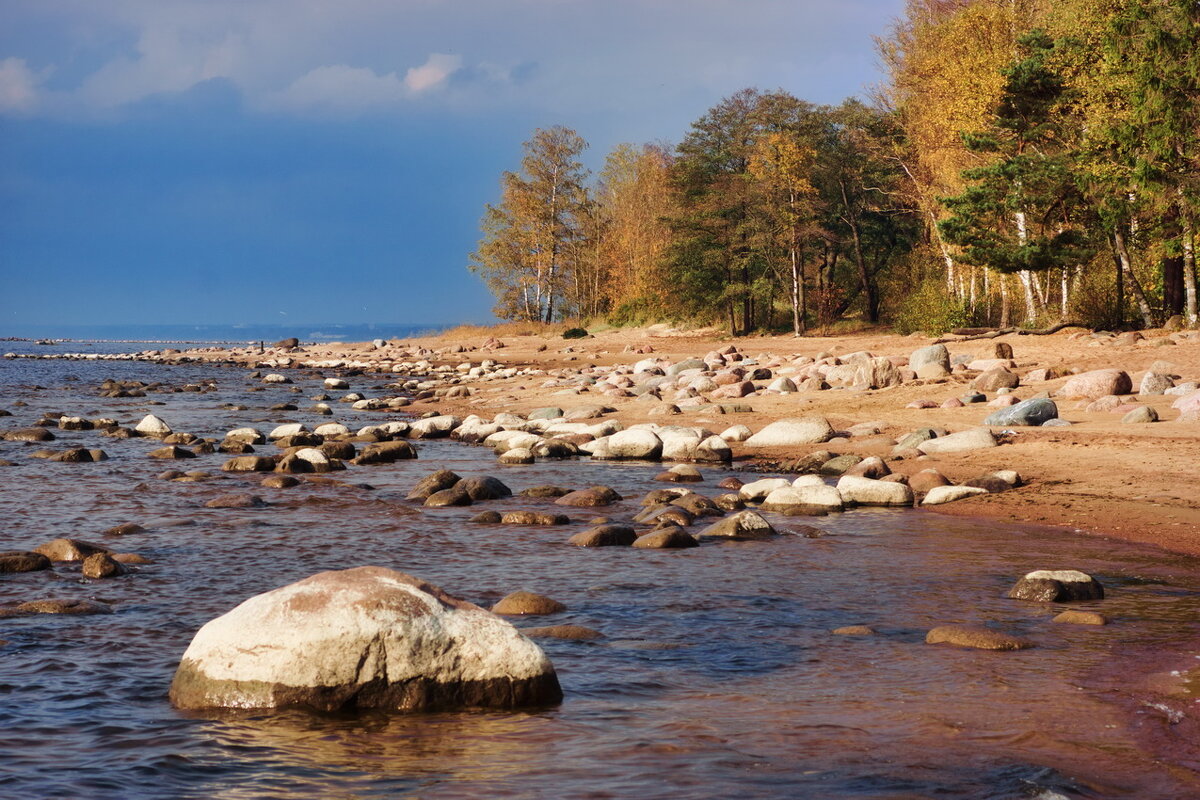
{"points": [[527, 603], [976, 637], [22, 561], [368, 637]]}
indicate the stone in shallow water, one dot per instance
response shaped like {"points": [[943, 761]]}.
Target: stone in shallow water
{"points": [[569, 632], [368, 637], [1057, 586], [976, 637], [22, 561], [527, 603]]}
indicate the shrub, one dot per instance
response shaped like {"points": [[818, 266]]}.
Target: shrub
{"points": [[930, 310], [575, 333]]}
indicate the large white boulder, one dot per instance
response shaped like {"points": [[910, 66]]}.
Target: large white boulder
{"points": [[869, 492], [635, 443], [368, 637], [810, 497], [800, 430]]}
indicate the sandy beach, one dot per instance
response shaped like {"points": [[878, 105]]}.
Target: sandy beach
{"points": [[1099, 476]]}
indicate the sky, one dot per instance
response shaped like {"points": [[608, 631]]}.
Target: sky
{"points": [[268, 161]]}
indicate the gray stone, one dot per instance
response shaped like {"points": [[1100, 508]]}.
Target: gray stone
{"points": [[936, 354], [1035, 411]]}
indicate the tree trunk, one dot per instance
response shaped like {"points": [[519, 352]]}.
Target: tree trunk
{"points": [[868, 288], [1066, 278], [797, 293], [1005, 312], [1189, 271], [1122, 255]]}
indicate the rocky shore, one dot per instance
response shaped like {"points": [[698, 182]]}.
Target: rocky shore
{"points": [[1094, 432]]}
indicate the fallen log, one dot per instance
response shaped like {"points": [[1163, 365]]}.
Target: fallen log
{"points": [[975, 334]]}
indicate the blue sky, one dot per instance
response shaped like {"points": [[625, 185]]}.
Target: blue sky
{"points": [[260, 161]]}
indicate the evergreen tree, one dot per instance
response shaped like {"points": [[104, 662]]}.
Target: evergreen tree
{"points": [[1021, 212]]}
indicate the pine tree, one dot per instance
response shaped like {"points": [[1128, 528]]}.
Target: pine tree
{"points": [[1021, 212]]}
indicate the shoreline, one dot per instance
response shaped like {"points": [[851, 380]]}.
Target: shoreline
{"points": [[1098, 477]]}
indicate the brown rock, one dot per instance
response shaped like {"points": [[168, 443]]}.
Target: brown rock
{"points": [[544, 491], [236, 500], [249, 464], [434, 482], [732, 501], [605, 536], [102, 565], [389, 452], [124, 530], [171, 452], [589, 498], [28, 435], [69, 549], [527, 603], [130, 558], [58, 607], [453, 496], [569, 632], [854, 630], [927, 479], [76, 455], [976, 637], [279, 482], [22, 561], [1073, 617], [671, 537], [533, 518]]}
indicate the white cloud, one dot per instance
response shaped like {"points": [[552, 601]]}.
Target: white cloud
{"points": [[342, 88], [18, 86], [436, 70]]}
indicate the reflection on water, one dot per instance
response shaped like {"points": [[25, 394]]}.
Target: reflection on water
{"points": [[717, 676]]}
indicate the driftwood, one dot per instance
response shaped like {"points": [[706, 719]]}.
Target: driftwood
{"points": [[975, 334]]}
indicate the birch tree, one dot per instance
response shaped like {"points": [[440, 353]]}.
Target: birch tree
{"points": [[530, 245]]}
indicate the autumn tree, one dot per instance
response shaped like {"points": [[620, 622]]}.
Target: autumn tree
{"points": [[1157, 43], [782, 164], [531, 245], [633, 201]]}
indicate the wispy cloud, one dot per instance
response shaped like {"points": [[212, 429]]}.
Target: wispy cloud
{"points": [[436, 70], [18, 86]]}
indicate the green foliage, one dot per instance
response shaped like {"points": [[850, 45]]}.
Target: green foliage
{"points": [[575, 333], [930, 310], [1021, 211]]}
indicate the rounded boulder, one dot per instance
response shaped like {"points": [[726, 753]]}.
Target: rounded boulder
{"points": [[368, 637]]}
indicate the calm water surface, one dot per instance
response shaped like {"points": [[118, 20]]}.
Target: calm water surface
{"points": [[717, 676]]}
